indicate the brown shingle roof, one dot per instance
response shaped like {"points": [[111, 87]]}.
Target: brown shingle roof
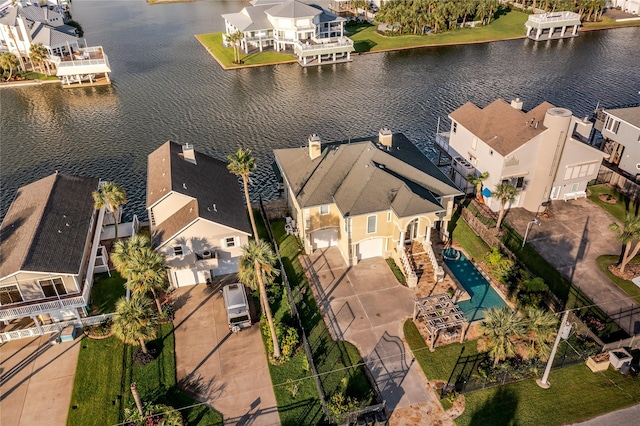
{"points": [[46, 226], [175, 223], [501, 126]]}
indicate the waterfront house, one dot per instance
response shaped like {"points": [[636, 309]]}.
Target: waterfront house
{"points": [[542, 152], [196, 212], [620, 130], [553, 25], [23, 25], [368, 197], [314, 35], [49, 251], [630, 6]]}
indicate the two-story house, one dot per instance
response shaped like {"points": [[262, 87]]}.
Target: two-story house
{"points": [[49, 249], [621, 132], [368, 197], [315, 35], [197, 214], [541, 151]]}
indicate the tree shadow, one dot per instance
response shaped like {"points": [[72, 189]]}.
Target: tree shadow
{"points": [[364, 45], [498, 411]]}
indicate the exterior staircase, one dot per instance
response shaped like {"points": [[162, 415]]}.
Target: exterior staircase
{"points": [[421, 263]]}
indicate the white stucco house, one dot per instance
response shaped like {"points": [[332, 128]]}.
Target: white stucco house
{"points": [[314, 35], [49, 250], [196, 212], [543, 151], [621, 132]]}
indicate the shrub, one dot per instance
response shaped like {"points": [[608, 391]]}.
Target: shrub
{"points": [[339, 405], [396, 270], [154, 415], [287, 338], [532, 291], [503, 268]]}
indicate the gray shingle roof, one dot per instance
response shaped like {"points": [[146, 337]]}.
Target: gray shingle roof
{"points": [[252, 18], [501, 126], [293, 9], [48, 36], [46, 226], [363, 177], [630, 115], [208, 182]]}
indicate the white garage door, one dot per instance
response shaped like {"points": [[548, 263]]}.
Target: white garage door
{"points": [[370, 248], [325, 238], [184, 277]]}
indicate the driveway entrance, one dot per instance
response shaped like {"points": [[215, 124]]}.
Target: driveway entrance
{"points": [[366, 306]]}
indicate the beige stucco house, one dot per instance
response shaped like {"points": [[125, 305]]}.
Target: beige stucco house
{"points": [[49, 250], [196, 212], [541, 151], [367, 197], [620, 129]]}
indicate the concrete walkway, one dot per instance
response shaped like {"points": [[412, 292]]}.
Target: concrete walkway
{"points": [[625, 416], [36, 381], [571, 242], [366, 306], [228, 371]]}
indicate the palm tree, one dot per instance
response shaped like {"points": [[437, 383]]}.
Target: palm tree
{"points": [[627, 234], [243, 164], [148, 274], [506, 193], [235, 38], [8, 61], [541, 329], [477, 181], [134, 322], [112, 196], [123, 252], [38, 53], [257, 266], [500, 327]]}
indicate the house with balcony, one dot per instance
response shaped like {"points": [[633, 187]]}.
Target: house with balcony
{"points": [[553, 25], [23, 25], [543, 152], [314, 35], [620, 129], [368, 197], [197, 214], [49, 250]]}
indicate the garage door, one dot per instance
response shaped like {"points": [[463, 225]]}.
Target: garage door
{"points": [[184, 277], [325, 238], [370, 248]]}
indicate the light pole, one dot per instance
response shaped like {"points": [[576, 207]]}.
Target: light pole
{"points": [[526, 233], [544, 382]]}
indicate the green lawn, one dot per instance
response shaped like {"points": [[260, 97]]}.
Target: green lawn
{"points": [[627, 286], [105, 292], [105, 371], [510, 25], [335, 361], [606, 23], [437, 365], [617, 210], [224, 55], [575, 394], [465, 236]]}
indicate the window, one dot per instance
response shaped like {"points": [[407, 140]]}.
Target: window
{"points": [[520, 182], [371, 224], [474, 143], [612, 125], [10, 294], [324, 209], [575, 187], [388, 216], [230, 242], [178, 251], [455, 127], [52, 287]]}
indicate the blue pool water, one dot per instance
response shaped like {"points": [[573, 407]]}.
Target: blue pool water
{"points": [[483, 296]]}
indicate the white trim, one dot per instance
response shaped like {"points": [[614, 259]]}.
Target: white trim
{"points": [[193, 222], [375, 224], [44, 296], [19, 291]]}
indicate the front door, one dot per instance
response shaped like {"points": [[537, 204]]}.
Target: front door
{"points": [[412, 231]]}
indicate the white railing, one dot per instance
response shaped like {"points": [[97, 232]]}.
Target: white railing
{"points": [[437, 269], [52, 328], [341, 42], [442, 140], [41, 308], [554, 17], [412, 277]]}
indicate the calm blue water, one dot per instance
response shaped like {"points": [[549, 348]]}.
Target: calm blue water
{"points": [[483, 296]]}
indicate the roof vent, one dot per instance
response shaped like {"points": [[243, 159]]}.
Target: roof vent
{"points": [[517, 104], [188, 153], [184, 186], [385, 137], [315, 148]]}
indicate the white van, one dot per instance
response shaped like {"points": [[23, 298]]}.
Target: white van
{"points": [[237, 306]]}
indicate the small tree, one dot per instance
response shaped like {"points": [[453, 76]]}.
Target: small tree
{"points": [[501, 328], [148, 274], [38, 53], [477, 181], [8, 61], [243, 164], [627, 234], [541, 329], [235, 39], [134, 322], [506, 193], [112, 196]]}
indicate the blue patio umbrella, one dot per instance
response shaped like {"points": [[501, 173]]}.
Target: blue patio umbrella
{"points": [[486, 192]]}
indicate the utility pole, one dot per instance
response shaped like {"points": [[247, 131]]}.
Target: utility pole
{"points": [[544, 382]]}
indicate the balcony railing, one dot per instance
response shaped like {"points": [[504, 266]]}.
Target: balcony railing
{"points": [[543, 18], [52, 328], [442, 140]]}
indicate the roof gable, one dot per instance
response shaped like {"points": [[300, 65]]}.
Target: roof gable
{"points": [[293, 9], [629, 115]]}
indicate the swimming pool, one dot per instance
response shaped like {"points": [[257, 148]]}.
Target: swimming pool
{"points": [[483, 296]]}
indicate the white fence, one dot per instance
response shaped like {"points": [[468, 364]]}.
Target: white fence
{"points": [[52, 328]]}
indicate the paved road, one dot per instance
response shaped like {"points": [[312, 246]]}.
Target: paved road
{"points": [[571, 242], [36, 381], [625, 417], [366, 306], [228, 371]]}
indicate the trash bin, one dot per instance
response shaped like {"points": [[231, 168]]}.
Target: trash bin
{"points": [[624, 368]]}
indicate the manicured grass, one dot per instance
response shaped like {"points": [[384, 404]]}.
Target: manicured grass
{"points": [[336, 362], [608, 22], [97, 389], [31, 75], [105, 292], [105, 372], [213, 43], [627, 286], [509, 25], [575, 394], [618, 210], [465, 236], [437, 365]]}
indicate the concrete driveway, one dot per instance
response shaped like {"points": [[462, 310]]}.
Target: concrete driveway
{"points": [[36, 381], [228, 371], [571, 242], [366, 306]]}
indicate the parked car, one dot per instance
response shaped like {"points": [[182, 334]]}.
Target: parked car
{"points": [[237, 306]]}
